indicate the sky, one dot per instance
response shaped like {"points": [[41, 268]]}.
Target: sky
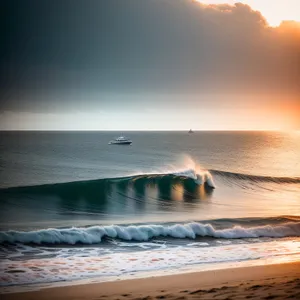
{"points": [[275, 11], [149, 65]]}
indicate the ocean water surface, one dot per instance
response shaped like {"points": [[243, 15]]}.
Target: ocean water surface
{"points": [[73, 207]]}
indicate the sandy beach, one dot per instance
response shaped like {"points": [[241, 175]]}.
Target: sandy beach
{"points": [[149, 149], [279, 281]]}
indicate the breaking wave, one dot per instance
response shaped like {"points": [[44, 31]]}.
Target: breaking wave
{"points": [[189, 177], [95, 234]]}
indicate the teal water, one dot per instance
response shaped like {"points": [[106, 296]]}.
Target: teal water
{"points": [[69, 196], [256, 175]]}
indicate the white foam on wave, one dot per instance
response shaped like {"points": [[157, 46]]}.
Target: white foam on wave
{"points": [[187, 167], [95, 234], [205, 177], [87, 264]]}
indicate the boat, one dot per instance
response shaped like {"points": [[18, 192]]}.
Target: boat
{"points": [[191, 131], [121, 140]]}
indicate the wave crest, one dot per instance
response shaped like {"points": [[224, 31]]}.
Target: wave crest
{"points": [[95, 234], [200, 178], [255, 178]]}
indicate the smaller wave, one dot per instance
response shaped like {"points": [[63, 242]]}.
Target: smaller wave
{"points": [[95, 234], [255, 178]]}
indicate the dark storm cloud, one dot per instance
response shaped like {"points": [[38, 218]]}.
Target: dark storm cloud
{"points": [[66, 47]]}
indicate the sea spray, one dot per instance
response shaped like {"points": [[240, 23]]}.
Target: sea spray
{"points": [[95, 234]]}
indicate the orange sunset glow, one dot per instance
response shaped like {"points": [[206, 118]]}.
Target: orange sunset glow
{"points": [[206, 64], [274, 11], [150, 149]]}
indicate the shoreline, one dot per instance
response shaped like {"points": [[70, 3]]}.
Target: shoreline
{"points": [[257, 282]]}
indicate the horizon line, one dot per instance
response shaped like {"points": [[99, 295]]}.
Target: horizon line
{"points": [[145, 130]]}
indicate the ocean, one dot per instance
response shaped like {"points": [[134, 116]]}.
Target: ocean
{"points": [[73, 207]]}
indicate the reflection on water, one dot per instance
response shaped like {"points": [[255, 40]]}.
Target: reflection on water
{"points": [[103, 199]]}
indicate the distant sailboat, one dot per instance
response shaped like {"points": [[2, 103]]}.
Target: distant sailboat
{"points": [[191, 131]]}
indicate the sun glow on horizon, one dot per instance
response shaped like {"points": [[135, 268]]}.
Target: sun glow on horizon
{"points": [[275, 12]]}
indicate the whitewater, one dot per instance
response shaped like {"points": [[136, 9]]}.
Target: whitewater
{"points": [[74, 208], [95, 234]]}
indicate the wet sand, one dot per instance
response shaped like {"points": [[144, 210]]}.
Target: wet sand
{"points": [[280, 281]]}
